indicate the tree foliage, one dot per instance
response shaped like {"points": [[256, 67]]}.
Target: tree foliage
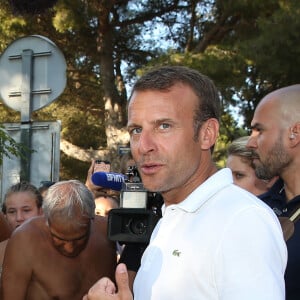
{"points": [[248, 47], [8, 146]]}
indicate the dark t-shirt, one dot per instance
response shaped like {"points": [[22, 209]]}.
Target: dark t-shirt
{"points": [[131, 256], [276, 199]]}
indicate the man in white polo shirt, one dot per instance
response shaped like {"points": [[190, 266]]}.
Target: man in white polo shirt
{"points": [[215, 240]]}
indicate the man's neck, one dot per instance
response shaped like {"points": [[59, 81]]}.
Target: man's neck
{"points": [[291, 186], [177, 195]]}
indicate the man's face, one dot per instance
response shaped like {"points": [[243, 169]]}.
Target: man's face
{"points": [[69, 238], [21, 206], [268, 141], [162, 142]]}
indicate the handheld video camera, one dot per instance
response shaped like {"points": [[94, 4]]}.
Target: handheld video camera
{"points": [[138, 214]]}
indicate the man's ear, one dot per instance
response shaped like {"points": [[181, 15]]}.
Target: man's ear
{"points": [[294, 136], [209, 132]]}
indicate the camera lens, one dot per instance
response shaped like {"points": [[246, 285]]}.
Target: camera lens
{"points": [[138, 226]]}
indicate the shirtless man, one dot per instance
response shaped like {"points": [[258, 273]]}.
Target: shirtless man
{"points": [[61, 254]]}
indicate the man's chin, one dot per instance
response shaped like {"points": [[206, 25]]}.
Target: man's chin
{"points": [[261, 173], [70, 255]]}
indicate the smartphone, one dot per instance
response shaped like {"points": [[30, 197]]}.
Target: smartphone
{"points": [[102, 166]]}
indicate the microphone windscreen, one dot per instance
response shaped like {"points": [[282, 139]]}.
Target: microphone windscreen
{"points": [[109, 180]]}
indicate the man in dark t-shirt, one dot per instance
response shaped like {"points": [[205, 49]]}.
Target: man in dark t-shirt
{"points": [[276, 199], [275, 139]]}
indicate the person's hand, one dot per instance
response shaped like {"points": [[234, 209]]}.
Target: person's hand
{"points": [[90, 172], [95, 189], [104, 289], [98, 191]]}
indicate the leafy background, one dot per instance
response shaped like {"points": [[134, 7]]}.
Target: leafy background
{"points": [[248, 47]]}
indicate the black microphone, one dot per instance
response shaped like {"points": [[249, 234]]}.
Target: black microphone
{"points": [[109, 180]]}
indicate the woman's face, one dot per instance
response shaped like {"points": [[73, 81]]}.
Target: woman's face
{"points": [[244, 175], [21, 206], [104, 205]]}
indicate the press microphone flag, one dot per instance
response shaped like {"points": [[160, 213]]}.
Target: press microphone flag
{"points": [[109, 180]]}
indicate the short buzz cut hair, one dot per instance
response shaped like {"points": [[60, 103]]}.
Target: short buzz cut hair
{"points": [[163, 78]]}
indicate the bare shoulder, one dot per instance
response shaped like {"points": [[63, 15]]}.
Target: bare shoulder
{"points": [[29, 231], [3, 245], [100, 250], [99, 233], [2, 250], [5, 230], [33, 223], [21, 246], [100, 223], [100, 219]]}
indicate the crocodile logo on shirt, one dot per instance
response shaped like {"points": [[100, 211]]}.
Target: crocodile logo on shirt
{"points": [[176, 252]]}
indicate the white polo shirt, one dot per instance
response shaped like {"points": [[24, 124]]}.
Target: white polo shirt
{"points": [[221, 242]]}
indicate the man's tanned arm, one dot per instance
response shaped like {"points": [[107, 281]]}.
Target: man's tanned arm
{"points": [[17, 268]]}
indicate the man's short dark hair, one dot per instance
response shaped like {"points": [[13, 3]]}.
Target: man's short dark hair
{"points": [[163, 78]]}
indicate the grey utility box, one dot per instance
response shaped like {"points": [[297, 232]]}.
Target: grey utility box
{"points": [[45, 156]]}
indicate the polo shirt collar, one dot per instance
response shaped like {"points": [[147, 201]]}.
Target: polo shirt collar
{"points": [[205, 191]]}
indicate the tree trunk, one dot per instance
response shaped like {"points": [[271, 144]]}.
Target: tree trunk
{"points": [[114, 114]]}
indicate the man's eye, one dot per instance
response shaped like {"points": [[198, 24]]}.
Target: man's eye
{"points": [[164, 126], [256, 130], [135, 130]]}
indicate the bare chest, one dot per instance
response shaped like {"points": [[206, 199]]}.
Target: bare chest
{"points": [[61, 278]]}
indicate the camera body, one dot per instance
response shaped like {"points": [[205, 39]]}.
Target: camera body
{"points": [[138, 214]]}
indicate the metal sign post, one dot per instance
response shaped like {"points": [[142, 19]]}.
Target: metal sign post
{"points": [[33, 75], [26, 104]]}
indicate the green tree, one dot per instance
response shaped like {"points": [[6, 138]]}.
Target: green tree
{"points": [[97, 37], [8, 146], [247, 47]]}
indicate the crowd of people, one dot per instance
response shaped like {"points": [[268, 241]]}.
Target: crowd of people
{"points": [[219, 236], [61, 253]]}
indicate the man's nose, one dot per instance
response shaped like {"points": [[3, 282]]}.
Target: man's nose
{"points": [[69, 247], [251, 143], [146, 142], [20, 216]]}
